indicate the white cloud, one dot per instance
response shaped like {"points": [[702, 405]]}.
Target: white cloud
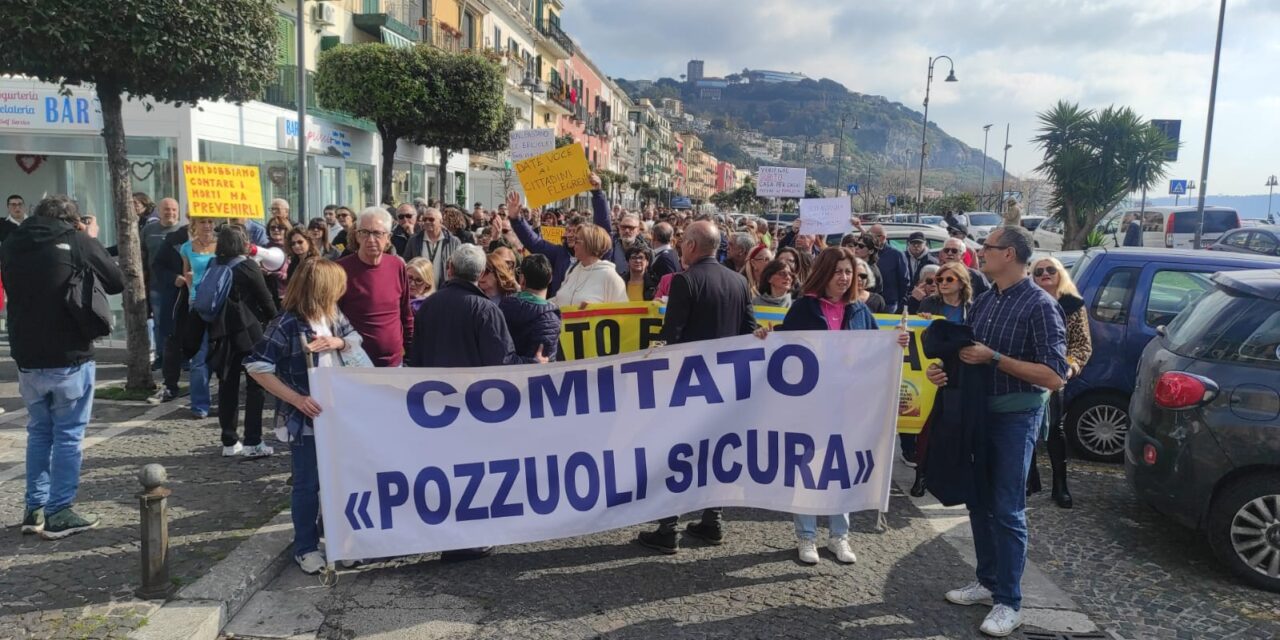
{"points": [[1013, 58]]}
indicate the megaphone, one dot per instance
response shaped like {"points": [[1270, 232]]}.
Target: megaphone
{"points": [[271, 259]]}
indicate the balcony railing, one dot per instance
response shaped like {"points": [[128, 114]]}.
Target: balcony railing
{"points": [[283, 92], [515, 71], [554, 32], [404, 17], [559, 92], [446, 38]]}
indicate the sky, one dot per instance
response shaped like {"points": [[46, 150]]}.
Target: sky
{"points": [[1013, 59]]}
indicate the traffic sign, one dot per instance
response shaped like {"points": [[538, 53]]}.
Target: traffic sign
{"points": [[1177, 187], [893, 199], [852, 189], [1172, 129]]}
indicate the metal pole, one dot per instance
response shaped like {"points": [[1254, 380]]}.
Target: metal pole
{"points": [[302, 112], [924, 132], [1004, 167], [866, 191], [1271, 187], [840, 155], [982, 186], [1208, 129]]}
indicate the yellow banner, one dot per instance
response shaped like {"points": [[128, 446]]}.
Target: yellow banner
{"points": [[554, 235], [222, 190], [610, 329], [554, 175]]}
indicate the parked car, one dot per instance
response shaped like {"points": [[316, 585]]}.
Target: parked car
{"points": [[981, 223], [1048, 235], [1129, 292], [1202, 446], [1175, 227], [1030, 223], [1258, 240]]}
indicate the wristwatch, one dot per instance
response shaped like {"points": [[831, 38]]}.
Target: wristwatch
{"points": [[996, 358]]}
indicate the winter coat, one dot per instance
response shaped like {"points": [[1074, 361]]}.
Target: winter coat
{"points": [[957, 422], [250, 306], [805, 314], [533, 322], [561, 256], [599, 282], [458, 326], [417, 249], [37, 263], [894, 280]]}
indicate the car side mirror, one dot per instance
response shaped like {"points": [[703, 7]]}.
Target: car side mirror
{"points": [[1160, 331]]}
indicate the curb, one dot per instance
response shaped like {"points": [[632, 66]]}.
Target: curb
{"points": [[200, 610]]}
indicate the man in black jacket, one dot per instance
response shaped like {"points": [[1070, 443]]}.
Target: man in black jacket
{"points": [[707, 302], [54, 358], [665, 259]]}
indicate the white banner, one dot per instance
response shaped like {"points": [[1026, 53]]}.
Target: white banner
{"points": [[825, 216], [780, 182], [528, 143], [420, 460]]}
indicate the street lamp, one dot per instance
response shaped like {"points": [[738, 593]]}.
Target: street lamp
{"points": [[534, 86], [951, 77], [1004, 166], [840, 153], [1271, 186], [982, 186]]}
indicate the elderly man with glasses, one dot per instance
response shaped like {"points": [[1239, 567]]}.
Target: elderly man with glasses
{"points": [[377, 297], [953, 251], [628, 235], [406, 227]]}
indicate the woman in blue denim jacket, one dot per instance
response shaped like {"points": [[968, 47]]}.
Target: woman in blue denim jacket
{"points": [[310, 333], [828, 302]]}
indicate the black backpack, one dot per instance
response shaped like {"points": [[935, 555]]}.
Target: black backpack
{"points": [[84, 297]]}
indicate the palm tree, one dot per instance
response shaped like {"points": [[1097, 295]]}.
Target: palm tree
{"points": [[1094, 160]]}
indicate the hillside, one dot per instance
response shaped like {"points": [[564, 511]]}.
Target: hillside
{"points": [[887, 138]]}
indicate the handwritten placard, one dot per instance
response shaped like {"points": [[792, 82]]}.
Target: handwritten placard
{"points": [[780, 182], [554, 235], [825, 216], [527, 143], [223, 190], [555, 175]]}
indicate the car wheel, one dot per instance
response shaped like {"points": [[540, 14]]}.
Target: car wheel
{"points": [[1097, 426], [1244, 529]]}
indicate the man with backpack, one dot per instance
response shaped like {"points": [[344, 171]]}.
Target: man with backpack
{"points": [[53, 347]]}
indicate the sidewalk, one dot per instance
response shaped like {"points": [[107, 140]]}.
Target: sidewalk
{"points": [[82, 586]]}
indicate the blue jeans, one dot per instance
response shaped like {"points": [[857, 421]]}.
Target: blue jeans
{"points": [[998, 513], [305, 501], [200, 399], [807, 526], [162, 301], [59, 402]]}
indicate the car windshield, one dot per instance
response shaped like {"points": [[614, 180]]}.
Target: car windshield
{"points": [[984, 219]]}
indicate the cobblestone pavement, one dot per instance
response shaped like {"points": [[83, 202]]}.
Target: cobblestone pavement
{"points": [[82, 586], [1135, 572]]}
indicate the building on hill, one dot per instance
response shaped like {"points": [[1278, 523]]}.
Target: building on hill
{"points": [[694, 72], [773, 77]]}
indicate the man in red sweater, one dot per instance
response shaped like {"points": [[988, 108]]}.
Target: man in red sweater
{"points": [[377, 298]]}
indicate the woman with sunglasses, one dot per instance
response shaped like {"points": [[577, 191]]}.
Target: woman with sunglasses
{"points": [[775, 285], [318, 231], [299, 246], [866, 282], [830, 302], [422, 281], [867, 250], [1051, 276], [799, 263], [928, 286], [757, 258]]}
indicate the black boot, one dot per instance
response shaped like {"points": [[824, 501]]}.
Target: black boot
{"points": [[917, 488], [1033, 476], [662, 540], [1058, 460]]}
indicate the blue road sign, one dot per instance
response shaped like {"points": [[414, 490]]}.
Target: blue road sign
{"points": [[893, 199], [852, 189], [1177, 187], [1172, 129]]}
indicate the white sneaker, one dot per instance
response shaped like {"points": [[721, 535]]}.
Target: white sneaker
{"points": [[1002, 621], [973, 593], [310, 563], [233, 450], [808, 551], [840, 547], [260, 450]]}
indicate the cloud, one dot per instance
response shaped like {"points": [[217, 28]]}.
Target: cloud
{"points": [[1014, 58]]}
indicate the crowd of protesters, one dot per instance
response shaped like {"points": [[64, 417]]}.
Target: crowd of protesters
{"points": [[424, 285]]}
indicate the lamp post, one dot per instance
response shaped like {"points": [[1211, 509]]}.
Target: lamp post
{"points": [[1004, 167], [302, 112], [534, 86], [982, 186], [1271, 186], [840, 153], [1208, 129], [924, 131]]}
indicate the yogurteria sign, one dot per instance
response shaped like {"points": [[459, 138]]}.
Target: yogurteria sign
{"points": [[47, 109]]}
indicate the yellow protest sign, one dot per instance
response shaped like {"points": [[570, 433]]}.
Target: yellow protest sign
{"points": [[610, 329], [554, 175], [222, 190], [554, 235]]}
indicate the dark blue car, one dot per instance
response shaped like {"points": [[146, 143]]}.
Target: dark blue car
{"points": [[1129, 292]]}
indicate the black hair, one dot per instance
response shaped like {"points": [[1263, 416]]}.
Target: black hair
{"points": [[232, 242], [536, 270], [6, 200], [59, 207], [639, 248]]}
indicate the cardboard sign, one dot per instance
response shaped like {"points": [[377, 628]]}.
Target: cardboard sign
{"points": [[825, 216], [554, 235], [780, 182], [555, 175], [527, 143], [223, 190]]}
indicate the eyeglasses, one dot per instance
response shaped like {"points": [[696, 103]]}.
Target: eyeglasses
{"points": [[863, 276], [988, 247], [1053, 271], [785, 274], [950, 250], [279, 229], [298, 243], [343, 215], [628, 227], [928, 281], [637, 256], [14, 205], [761, 259], [369, 233], [416, 280], [406, 216], [948, 280]]}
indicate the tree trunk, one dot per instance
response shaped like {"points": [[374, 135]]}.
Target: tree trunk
{"points": [[137, 340], [389, 142], [442, 172]]}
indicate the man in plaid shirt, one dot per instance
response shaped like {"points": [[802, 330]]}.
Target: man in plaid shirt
{"points": [[1021, 333]]}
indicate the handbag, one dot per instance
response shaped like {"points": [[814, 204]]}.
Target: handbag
{"points": [[85, 299]]}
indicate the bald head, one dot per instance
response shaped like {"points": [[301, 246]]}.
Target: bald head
{"points": [[878, 235], [167, 210], [702, 238]]}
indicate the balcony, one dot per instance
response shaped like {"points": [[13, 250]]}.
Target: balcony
{"points": [[515, 70], [558, 92], [282, 92], [402, 17], [559, 41], [446, 38]]}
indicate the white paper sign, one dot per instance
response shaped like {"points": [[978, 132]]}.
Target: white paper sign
{"points": [[780, 182], [421, 460], [825, 216], [527, 143]]}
